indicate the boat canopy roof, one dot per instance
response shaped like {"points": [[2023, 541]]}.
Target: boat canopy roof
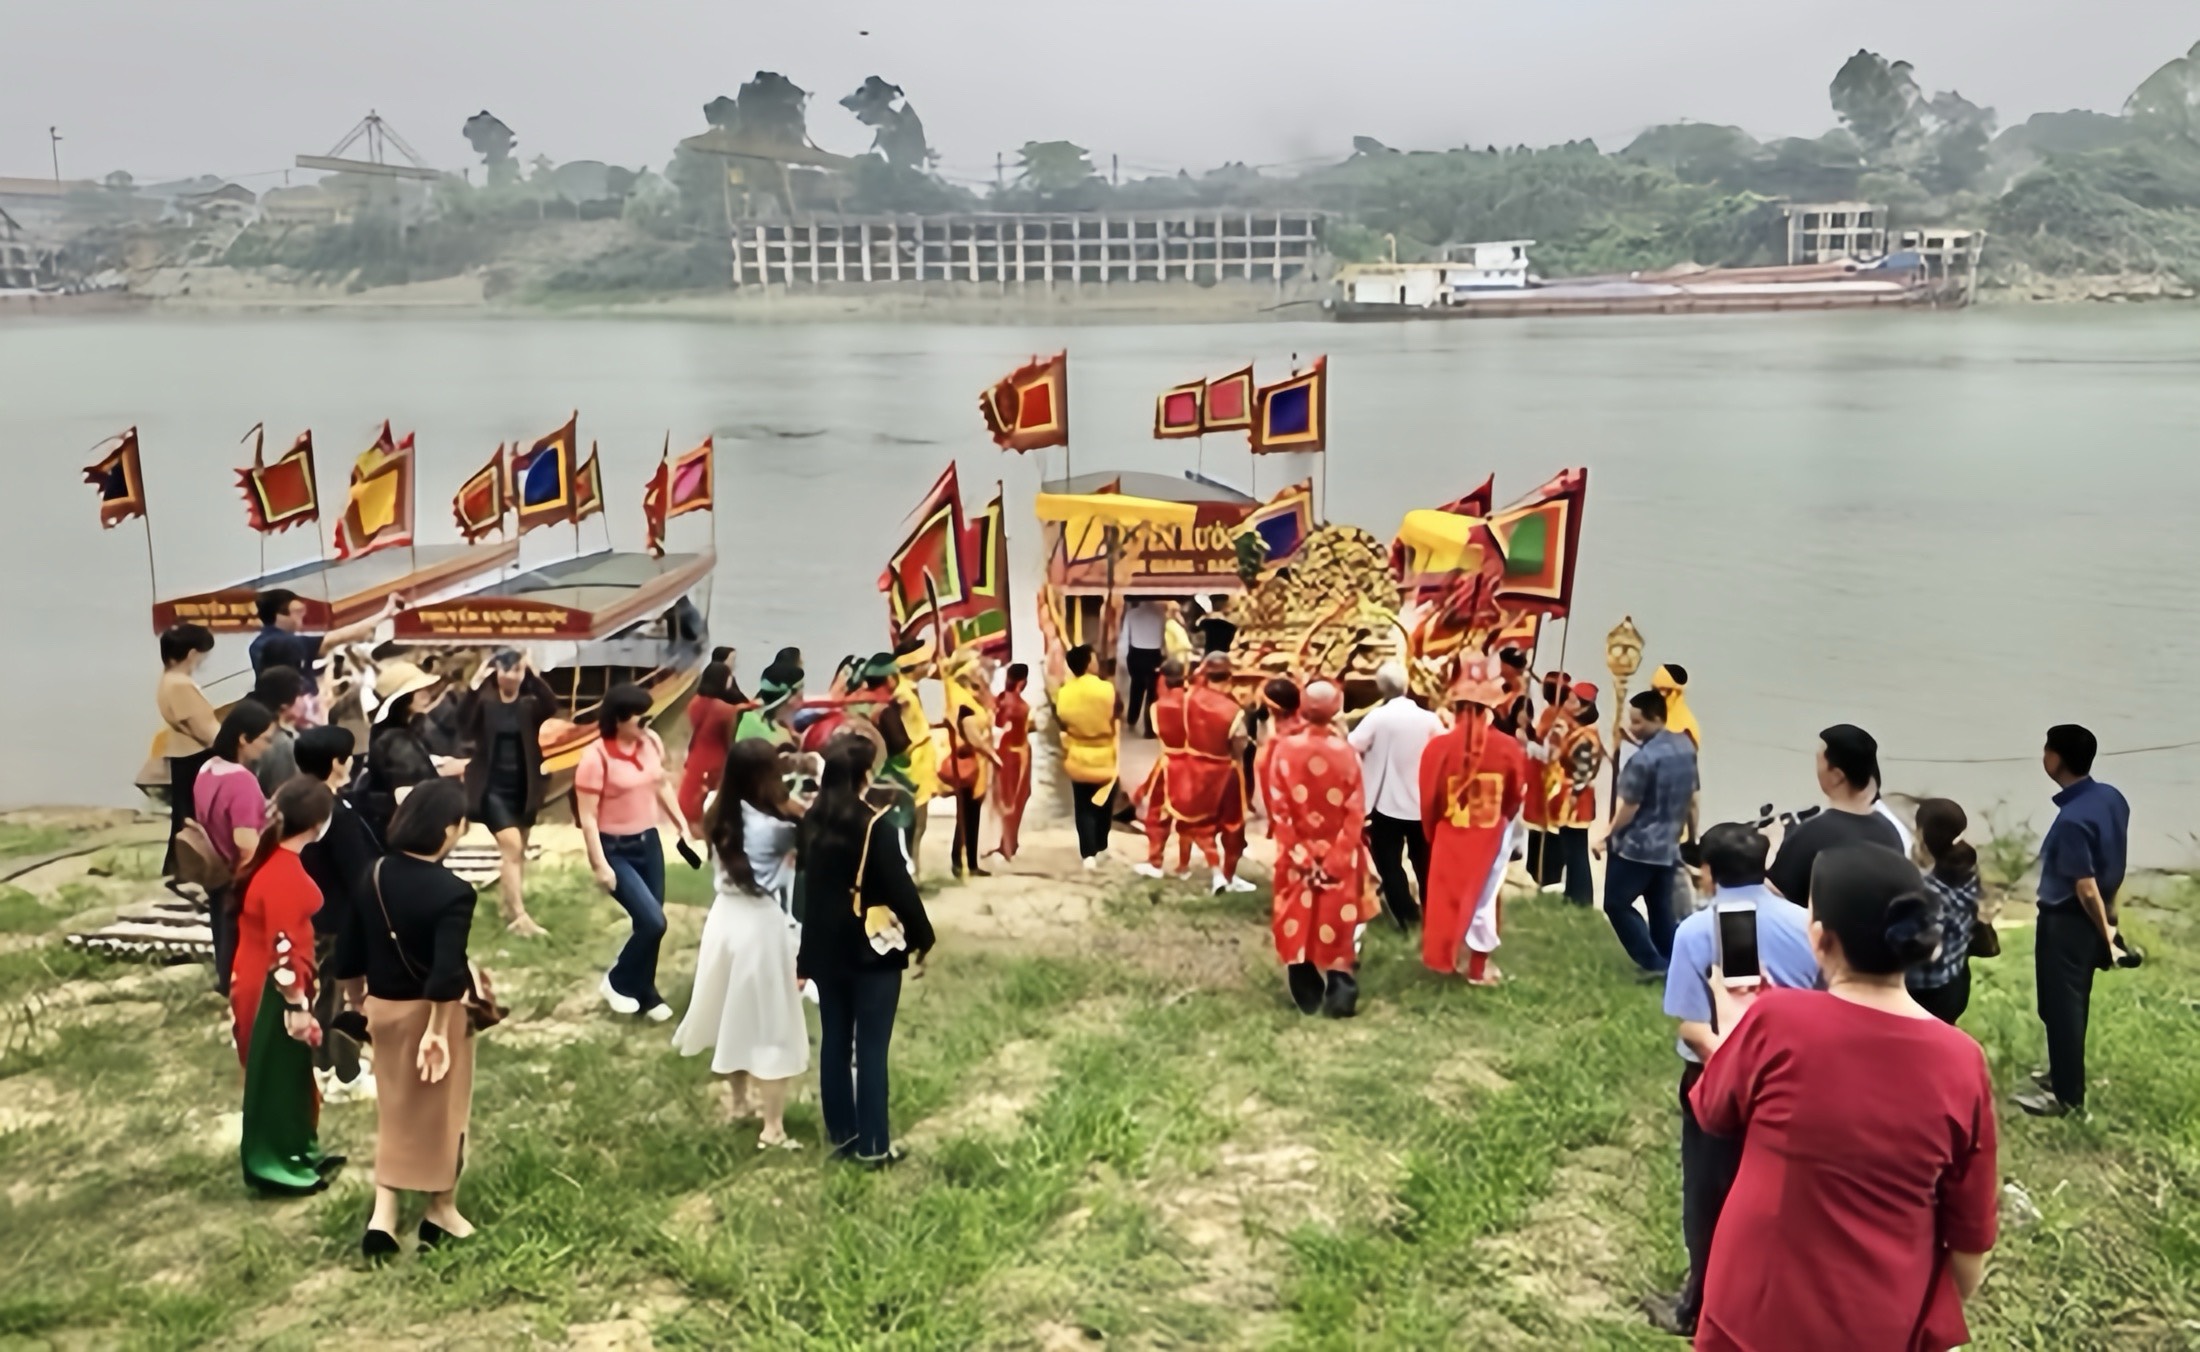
{"points": [[1161, 487], [584, 597]]}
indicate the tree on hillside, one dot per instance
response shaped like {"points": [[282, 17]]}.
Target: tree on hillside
{"points": [[493, 141], [1955, 134], [2167, 104], [1053, 168], [1698, 152], [767, 111], [1875, 99], [897, 132]]}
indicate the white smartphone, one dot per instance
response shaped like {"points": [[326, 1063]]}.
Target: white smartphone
{"points": [[1734, 931]]}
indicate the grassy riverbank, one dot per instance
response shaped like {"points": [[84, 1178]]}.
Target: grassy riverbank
{"points": [[1119, 1133]]}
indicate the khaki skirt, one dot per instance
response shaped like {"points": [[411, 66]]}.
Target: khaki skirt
{"points": [[420, 1139]]}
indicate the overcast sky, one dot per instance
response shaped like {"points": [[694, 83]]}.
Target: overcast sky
{"points": [[237, 87]]}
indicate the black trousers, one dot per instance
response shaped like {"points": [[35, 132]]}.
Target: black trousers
{"points": [[337, 1051], [969, 812], [1947, 1002], [1092, 819], [1708, 1166], [1563, 853], [2066, 951], [1143, 665], [183, 777], [855, 1021], [1388, 838]]}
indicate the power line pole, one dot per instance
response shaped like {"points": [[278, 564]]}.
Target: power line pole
{"points": [[1115, 170], [53, 134], [998, 184]]}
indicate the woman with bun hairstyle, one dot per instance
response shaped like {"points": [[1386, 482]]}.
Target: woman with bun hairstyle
{"points": [[1865, 1203], [1943, 984]]}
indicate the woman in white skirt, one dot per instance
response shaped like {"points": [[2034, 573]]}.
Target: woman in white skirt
{"points": [[746, 1010]]}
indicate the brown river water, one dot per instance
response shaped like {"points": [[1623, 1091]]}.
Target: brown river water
{"points": [[1953, 529]]}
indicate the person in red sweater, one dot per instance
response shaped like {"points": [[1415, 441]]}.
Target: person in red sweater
{"points": [[711, 712], [1865, 1203], [271, 998]]}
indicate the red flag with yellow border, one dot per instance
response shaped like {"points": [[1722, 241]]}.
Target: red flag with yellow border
{"points": [[1030, 408], [284, 494]]}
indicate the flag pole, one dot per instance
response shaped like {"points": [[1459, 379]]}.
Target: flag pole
{"points": [[412, 510], [152, 571]]}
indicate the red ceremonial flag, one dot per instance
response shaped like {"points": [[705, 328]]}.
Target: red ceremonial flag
{"points": [[587, 488], [378, 510], [120, 481], [1030, 409], [1177, 412], [542, 479], [654, 499], [690, 485], [926, 572], [984, 618], [1541, 539], [1476, 503], [1228, 405], [284, 494], [1293, 414], [480, 505]]}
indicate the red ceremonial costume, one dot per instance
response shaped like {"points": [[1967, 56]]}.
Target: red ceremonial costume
{"points": [[1474, 784], [1198, 785], [1012, 782], [1282, 725], [1321, 873]]}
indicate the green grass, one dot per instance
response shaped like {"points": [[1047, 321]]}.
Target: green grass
{"points": [[1124, 1134]]}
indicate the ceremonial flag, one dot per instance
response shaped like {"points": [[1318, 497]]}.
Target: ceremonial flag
{"points": [[1476, 504], [927, 571], [120, 481], [1282, 523], [984, 619], [480, 504], [1227, 405], [1293, 415], [587, 488], [284, 494], [690, 485], [1177, 413], [1030, 409], [378, 510], [654, 498], [1541, 539], [542, 479]]}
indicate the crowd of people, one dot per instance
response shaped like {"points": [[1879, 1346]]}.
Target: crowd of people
{"points": [[1837, 1131]]}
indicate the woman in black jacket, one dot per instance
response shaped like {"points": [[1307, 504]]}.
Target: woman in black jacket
{"points": [[398, 758], [500, 732], [862, 923]]}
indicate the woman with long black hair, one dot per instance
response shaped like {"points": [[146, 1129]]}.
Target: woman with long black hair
{"points": [[862, 923], [1943, 985], [745, 1009]]}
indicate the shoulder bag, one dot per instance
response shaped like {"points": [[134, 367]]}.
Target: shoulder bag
{"points": [[480, 1002]]}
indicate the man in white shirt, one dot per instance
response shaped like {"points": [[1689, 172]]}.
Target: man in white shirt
{"points": [[1390, 739], [1144, 624]]}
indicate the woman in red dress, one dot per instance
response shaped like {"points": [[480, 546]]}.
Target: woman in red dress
{"points": [[710, 714], [1865, 1204], [1012, 739]]}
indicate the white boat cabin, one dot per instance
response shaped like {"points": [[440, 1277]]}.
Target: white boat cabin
{"points": [[1465, 270]]}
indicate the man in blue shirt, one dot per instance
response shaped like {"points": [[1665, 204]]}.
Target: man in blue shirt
{"points": [[2081, 868], [1733, 869], [280, 644], [1657, 794]]}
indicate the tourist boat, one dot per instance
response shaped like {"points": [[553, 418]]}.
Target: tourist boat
{"points": [[338, 592], [589, 622]]}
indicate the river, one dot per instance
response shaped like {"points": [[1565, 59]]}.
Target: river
{"points": [[1953, 529]]}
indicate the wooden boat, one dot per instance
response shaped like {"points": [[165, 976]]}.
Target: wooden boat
{"points": [[590, 622], [338, 592]]}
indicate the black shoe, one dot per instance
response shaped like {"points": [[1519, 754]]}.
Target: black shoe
{"points": [[1342, 1000], [377, 1245], [1406, 918], [2043, 1103], [1666, 1316], [1305, 981], [893, 1156], [432, 1235]]}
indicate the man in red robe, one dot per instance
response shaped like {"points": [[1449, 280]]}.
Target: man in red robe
{"points": [[1474, 783], [1012, 784], [1200, 783], [1320, 817], [1281, 695], [1168, 711]]}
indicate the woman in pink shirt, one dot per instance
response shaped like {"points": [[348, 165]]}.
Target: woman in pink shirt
{"points": [[620, 793], [229, 805]]}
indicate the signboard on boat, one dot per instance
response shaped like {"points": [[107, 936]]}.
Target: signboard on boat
{"points": [[494, 617], [231, 610]]}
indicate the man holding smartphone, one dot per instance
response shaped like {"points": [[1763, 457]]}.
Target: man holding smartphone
{"points": [[1755, 937]]}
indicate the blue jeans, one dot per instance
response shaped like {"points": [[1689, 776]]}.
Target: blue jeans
{"points": [[1651, 946], [855, 1019], [639, 864]]}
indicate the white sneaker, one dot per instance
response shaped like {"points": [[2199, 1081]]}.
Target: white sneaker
{"points": [[620, 1004], [658, 1013], [1146, 870], [1092, 862], [1242, 885]]}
